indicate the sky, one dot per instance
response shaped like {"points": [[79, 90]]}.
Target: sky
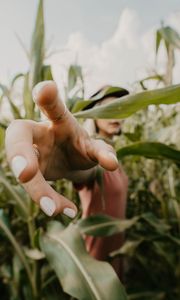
{"points": [[113, 40]]}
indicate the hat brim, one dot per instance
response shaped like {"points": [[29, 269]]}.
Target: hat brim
{"points": [[108, 92]]}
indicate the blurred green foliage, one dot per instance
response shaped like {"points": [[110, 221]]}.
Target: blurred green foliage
{"points": [[149, 151]]}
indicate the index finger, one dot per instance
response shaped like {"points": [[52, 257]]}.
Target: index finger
{"points": [[46, 96]]}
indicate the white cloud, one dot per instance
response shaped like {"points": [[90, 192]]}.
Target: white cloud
{"points": [[128, 55]]}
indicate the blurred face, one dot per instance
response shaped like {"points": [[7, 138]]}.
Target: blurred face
{"points": [[107, 128]]}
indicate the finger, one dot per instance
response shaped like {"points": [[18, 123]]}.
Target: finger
{"points": [[49, 200], [20, 151], [104, 154], [46, 95]]}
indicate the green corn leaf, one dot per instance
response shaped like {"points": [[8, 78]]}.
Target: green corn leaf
{"points": [[34, 254], [169, 35], [158, 40], [147, 295], [128, 248], [19, 75], [3, 126], [17, 269], [52, 293], [72, 78], [23, 209], [80, 275], [74, 73], [37, 71], [4, 89], [160, 249], [150, 150], [37, 48], [80, 105], [105, 92], [2, 137], [14, 108], [71, 102], [158, 224], [27, 99], [46, 73], [4, 219], [155, 77], [103, 225], [22, 44], [128, 105], [173, 239], [9, 235]]}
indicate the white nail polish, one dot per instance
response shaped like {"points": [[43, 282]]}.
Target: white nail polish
{"points": [[112, 155], [69, 212], [18, 164], [38, 88], [47, 205]]}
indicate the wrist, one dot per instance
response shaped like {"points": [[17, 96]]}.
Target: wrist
{"points": [[83, 176]]}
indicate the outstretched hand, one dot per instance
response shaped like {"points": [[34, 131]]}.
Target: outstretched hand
{"points": [[53, 149]]}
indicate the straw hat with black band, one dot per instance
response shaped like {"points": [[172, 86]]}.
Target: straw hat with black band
{"points": [[105, 92]]}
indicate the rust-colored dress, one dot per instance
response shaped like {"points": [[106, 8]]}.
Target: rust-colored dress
{"points": [[111, 201]]}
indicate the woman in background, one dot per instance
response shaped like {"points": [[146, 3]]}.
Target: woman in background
{"points": [[109, 196]]}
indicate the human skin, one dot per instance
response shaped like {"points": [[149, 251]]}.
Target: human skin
{"points": [[65, 151], [107, 128], [109, 200]]}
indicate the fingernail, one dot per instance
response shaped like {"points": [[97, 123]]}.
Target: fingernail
{"points": [[69, 212], [38, 88], [18, 164], [48, 206], [112, 155]]}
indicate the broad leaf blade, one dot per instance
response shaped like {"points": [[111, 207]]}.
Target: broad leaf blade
{"points": [[19, 202], [150, 150], [2, 138], [9, 235], [170, 36], [157, 77], [128, 105], [17, 76], [37, 48], [72, 77], [7, 94], [80, 275], [158, 224], [27, 98], [128, 248], [75, 73], [158, 40], [103, 225], [105, 92], [46, 73], [35, 73], [80, 105], [14, 109]]}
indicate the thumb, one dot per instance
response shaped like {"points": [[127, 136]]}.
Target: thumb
{"points": [[104, 154]]}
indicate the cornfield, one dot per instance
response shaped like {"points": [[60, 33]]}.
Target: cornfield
{"points": [[38, 255]]}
